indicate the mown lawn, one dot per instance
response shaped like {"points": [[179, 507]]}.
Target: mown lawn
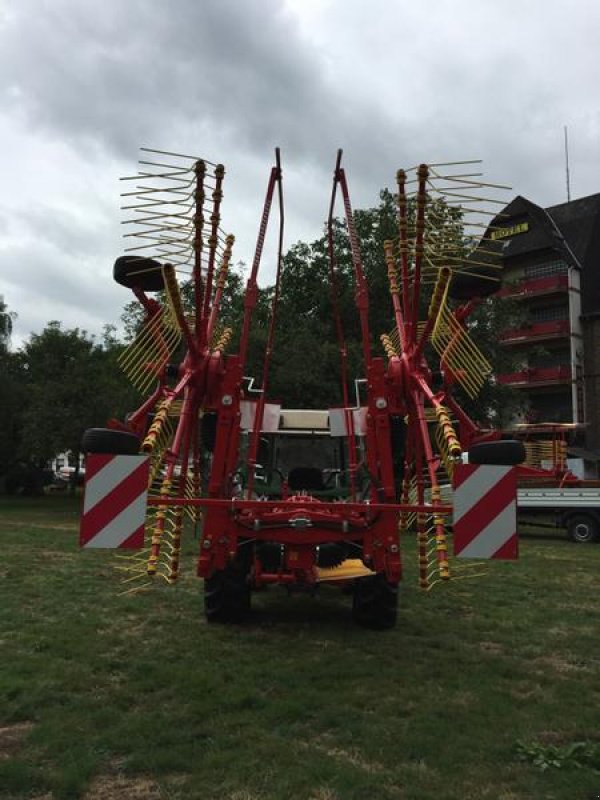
{"points": [[110, 696]]}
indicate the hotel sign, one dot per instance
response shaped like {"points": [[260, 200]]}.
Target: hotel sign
{"points": [[504, 233]]}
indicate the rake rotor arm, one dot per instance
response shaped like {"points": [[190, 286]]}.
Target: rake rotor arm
{"points": [[200, 173], [252, 286], [388, 249], [362, 295], [174, 296], [150, 305], [468, 428], [422, 173], [213, 239], [403, 241], [216, 306], [334, 287], [260, 406], [437, 299], [137, 420], [423, 433]]}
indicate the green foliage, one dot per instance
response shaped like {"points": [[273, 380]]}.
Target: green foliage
{"points": [[72, 383], [12, 400], [6, 323], [578, 755]]}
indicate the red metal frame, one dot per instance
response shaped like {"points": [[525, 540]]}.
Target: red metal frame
{"points": [[398, 387]]}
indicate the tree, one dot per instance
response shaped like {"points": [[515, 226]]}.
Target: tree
{"points": [[6, 324], [12, 395], [72, 383]]}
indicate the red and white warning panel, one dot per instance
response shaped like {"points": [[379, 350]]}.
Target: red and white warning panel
{"points": [[485, 511], [114, 504]]}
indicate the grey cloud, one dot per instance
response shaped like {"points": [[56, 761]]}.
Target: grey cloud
{"points": [[393, 84], [112, 72]]}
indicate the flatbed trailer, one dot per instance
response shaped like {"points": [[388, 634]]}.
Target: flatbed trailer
{"points": [[577, 509]]}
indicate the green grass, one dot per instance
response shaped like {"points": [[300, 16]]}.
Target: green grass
{"points": [[111, 696]]}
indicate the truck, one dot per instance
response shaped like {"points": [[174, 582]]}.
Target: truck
{"points": [[574, 508], [550, 494]]}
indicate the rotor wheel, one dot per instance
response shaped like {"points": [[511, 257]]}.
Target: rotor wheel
{"points": [[113, 442], [137, 272], [227, 594], [375, 603], [505, 452]]}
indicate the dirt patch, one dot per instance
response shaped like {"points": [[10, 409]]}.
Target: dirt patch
{"points": [[554, 738], [494, 648], [526, 691], [118, 787], [563, 665], [11, 738], [322, 793], [352, 757]]}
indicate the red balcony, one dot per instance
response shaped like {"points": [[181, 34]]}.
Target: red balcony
{"points": [[555, 329], [553, 284], [537, 376]]}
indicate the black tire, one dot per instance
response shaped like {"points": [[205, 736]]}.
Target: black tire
{"points": [[375, 603], [505, 452], [105, 440], [136, 272], [583, 529], [227, 594]]}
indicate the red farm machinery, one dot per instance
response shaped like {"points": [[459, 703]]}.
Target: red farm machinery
{"points": [[189, 456]]}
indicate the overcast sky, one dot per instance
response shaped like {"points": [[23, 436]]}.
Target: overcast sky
{"points": [[84, 84]]}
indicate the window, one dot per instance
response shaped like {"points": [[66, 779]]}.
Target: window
{"points": [[550, 358], [550, 407], [548, 313], [546, 269]]}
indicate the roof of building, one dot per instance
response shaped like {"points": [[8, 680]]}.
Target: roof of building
{"points": [[571, 229]]}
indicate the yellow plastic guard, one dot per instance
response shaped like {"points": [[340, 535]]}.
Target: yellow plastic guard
{"points": [[347, 570]]}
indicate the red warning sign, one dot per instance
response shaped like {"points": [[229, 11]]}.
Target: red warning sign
{"points": [[114, 503], [485, 511]]}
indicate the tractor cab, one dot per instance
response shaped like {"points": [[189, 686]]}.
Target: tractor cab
{"points": [[299, 452]]}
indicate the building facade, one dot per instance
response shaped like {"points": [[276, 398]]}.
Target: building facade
{"points": [[551, 266]]}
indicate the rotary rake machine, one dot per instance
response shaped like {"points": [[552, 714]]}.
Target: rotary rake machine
{"points": [[184, 451]]}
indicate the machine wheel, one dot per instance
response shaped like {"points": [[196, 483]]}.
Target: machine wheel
{"points": [[505, 452], [106, 440], [375, 603], [227, 594], [136, 272], [583, 529]]}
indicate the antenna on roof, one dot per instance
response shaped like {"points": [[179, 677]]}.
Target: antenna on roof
{"points": [[567, 166]]}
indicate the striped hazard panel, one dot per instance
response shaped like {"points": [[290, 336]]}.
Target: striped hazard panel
{"points": [[485, 511], [114, 504]]}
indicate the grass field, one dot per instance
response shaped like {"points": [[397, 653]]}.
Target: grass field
{"points": [[488, 688]]}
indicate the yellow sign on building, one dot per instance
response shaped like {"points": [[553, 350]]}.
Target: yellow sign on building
{"points": [[504, 233]]}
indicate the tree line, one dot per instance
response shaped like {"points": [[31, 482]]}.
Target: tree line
{"points": [[62, 381]]}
